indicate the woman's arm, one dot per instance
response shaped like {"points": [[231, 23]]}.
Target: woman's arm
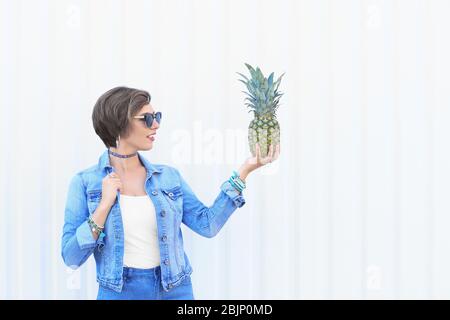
{"points": [[207, 221], [78, 242]]}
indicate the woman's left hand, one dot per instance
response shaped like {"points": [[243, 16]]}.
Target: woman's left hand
{"points": [[253, 163]]}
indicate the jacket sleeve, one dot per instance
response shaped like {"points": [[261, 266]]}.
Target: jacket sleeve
{"points": [[77, 243], [207, 221]]}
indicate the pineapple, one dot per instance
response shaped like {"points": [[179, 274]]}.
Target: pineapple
{"points": [[263, 98]]}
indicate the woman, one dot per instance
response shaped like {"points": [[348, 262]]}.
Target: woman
{"points": [[127, 211]]}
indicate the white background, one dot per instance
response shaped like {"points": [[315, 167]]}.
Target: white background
{"points": [[357, 205]]}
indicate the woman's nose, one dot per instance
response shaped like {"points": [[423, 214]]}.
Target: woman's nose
{"points": [[155, 124]]}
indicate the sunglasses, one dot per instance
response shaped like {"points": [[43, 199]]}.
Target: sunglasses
{"points": [[149, 117]]}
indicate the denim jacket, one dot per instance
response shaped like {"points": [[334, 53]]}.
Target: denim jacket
{"points": [[174, 202]]}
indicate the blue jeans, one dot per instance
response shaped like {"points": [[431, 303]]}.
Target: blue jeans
{"points": [[145, 284]]}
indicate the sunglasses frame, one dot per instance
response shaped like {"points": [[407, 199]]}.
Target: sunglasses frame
{"points": [[152, 116]]}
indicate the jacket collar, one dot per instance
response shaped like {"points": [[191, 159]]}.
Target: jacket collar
{"points": [[104, 163]]}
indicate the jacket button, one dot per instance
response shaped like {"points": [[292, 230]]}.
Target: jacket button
{"points": [[170, 194], [154, 192], [163, 213], [164, 238], [166, 262]]}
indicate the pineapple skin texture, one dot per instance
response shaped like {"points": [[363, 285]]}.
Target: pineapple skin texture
{"points": [[265, 131]]}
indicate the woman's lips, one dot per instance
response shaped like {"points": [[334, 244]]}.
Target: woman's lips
{"points": [[151, 137]]}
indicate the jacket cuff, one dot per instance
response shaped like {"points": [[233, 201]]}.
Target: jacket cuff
{"points": [[234, 195], [84, 236]]}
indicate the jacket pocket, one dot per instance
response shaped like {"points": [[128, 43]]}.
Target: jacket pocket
{"points": [[93, 200], [174, 196]]}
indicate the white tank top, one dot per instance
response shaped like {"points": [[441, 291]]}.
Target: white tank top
{"points": [[141, 233]]}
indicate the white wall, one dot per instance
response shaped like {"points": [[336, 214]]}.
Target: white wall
{"points": [[357, 205]]}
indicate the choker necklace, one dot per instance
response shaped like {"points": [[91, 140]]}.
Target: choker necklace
{"points": [[121, 155]]}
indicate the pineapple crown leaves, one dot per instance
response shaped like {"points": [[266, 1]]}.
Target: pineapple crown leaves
{"points": [[263, 96]]}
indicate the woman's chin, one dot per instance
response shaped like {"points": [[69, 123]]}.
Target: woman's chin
{"points": [[147, 147]]}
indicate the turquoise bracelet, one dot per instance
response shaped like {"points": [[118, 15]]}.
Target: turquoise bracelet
{"points": [[237, 182], [238, 179], [235, 185]]}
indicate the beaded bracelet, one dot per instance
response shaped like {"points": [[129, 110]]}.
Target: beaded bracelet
{"points": [[95, 228]]}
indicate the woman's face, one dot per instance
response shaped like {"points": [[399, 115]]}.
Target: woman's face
{"points": [[140, 137]]}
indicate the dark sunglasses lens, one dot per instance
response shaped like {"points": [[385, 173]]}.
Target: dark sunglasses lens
{"points": [[158, 116], [149, 120]]}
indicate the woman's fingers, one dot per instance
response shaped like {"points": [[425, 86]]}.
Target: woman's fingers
{"points": [[277, 152], [117, 183], [273, 154], [115, 180], [113, 176], [269, 156], [258, 153]]}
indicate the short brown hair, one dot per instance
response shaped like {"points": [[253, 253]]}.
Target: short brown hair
{"points": [[113, 111]]}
